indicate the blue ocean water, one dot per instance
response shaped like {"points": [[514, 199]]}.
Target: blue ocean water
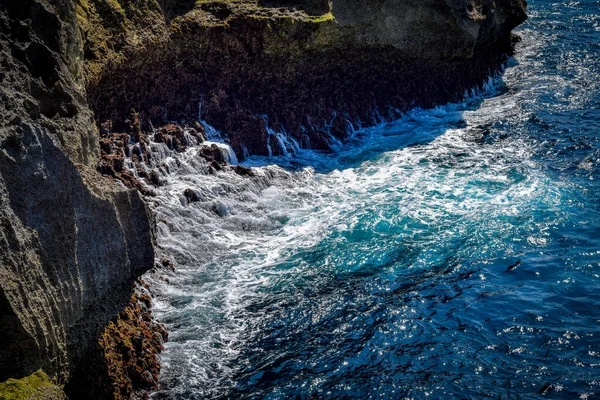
{"points": [[454, 253]]}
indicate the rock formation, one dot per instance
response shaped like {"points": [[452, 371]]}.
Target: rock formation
{"points": [[432, 29], [234, 62], [73, 242]]}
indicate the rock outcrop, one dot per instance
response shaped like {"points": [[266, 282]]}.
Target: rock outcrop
{"points": [[432, 29], [73, 242], [36, 386], [232, 63]]}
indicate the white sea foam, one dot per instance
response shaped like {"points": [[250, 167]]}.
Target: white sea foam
{"points": [[236, 245]]}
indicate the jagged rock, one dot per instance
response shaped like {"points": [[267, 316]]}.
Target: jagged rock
{"points": [[431, 29], [191, 196], [71, 243], [212, 153], [130, 345], [243, 171], [166, 263], [248, 131], [173, 136], [362, 58]]}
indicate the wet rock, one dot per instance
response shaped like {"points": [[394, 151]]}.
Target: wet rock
{"points": [[247, 132], [166, 263], [243, 171], [134, 125], [191, 195], [339, 128], [199, 129], [216, 166], [277, 148], [199, 135], [155, 178], [212, 153], [173, 136]]}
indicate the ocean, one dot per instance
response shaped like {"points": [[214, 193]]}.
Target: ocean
{"points": [[453, 253]]}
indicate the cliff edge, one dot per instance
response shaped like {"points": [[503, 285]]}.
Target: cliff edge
{"points": [[72, 243], [315, 69]]}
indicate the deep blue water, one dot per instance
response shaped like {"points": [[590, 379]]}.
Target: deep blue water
{"points": [[452, 254]]}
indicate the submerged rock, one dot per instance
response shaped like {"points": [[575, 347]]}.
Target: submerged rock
{"points": [[191, 195]]}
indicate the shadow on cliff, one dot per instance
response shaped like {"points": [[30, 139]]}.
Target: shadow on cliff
{"points": [[174, 8]]}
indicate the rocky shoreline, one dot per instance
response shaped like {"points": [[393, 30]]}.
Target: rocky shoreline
{"points": [[89, 85]]}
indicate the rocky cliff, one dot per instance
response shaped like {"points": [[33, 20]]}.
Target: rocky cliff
{"points": [[231, 62], [73, 242]]}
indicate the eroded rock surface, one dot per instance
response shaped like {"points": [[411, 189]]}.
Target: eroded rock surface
{"points": [[71, 243], [233, 62], [432, 29]]}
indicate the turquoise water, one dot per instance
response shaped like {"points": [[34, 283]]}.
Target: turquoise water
{"points": [[452, 253]]}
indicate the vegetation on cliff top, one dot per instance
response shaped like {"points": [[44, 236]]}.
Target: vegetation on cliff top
{"points": [[115, 30], [36, 386]]}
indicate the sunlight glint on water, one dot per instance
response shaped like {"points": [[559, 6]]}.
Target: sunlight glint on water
{"points": [[451, 253]]}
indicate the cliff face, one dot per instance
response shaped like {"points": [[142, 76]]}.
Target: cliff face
{"points": [[432, 29], [312, 75], [71, 243]]}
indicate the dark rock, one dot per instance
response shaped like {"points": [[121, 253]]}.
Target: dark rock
{"points": [[173, 136], [154, 178], [212, 153], [243, 171], [166, 263], [299, 69], [71, 242], [216, 166], [191, 195], [247, 131]]}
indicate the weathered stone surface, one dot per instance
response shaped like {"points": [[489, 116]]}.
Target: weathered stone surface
{"points": [[432, 29], [71, 243], [313, 75], [125, 363]]}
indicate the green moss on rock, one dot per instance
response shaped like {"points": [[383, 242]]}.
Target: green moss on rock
{"points": [[36, 386]]}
